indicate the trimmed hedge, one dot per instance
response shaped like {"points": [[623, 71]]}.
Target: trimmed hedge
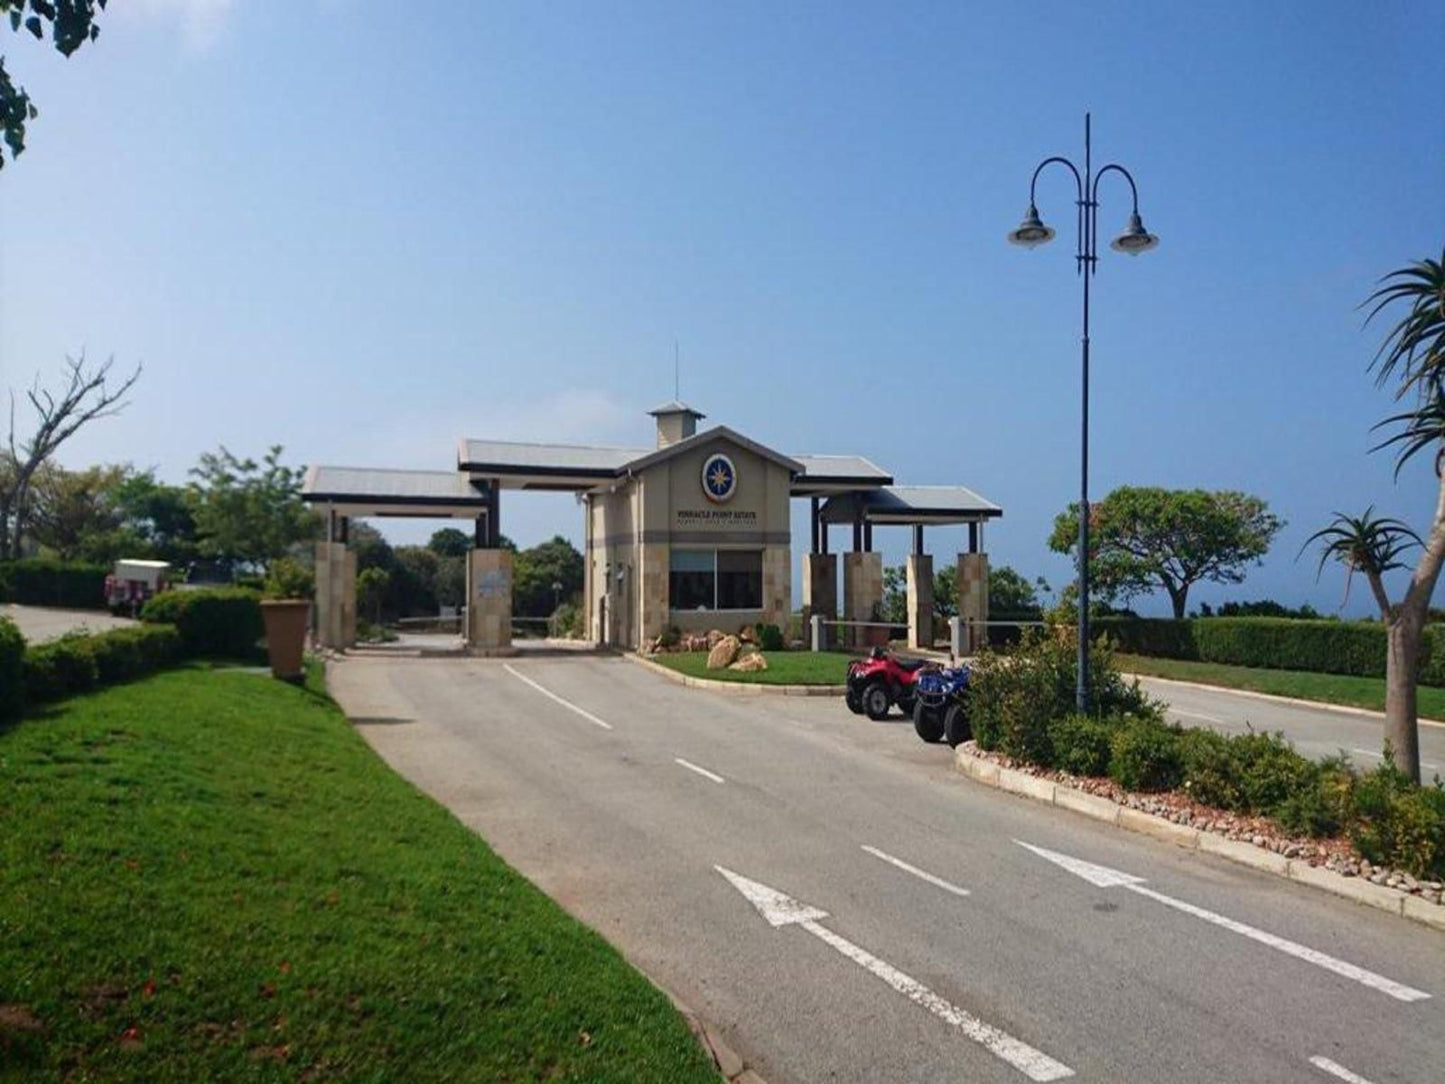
{"points": [[81, 661], [220, 622], [1272, 643], [42, 581], [12, 670]]}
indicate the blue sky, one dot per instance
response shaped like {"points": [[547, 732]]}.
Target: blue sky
{"points": [[364, 236]]}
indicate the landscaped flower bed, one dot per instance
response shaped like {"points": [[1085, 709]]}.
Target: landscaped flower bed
{"points": [[1250, 787]]}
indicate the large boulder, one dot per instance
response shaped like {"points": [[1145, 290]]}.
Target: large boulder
{"points": [[723, 653], [713, 636], [750, 663]]}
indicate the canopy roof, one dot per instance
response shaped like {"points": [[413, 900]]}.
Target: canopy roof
{"points": [[366, 491], [910, 505]]}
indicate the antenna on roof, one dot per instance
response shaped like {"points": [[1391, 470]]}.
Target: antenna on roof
{"points": [[676, 370]]}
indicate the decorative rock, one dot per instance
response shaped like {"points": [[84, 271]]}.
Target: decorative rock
{"points": [[713, 636], [723, 653], [750, 663]]}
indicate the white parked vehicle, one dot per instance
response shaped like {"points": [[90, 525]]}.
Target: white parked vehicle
{"points": [[132, 582]]}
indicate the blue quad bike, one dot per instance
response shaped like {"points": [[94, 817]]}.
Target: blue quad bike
{"points": [[940, 706]]}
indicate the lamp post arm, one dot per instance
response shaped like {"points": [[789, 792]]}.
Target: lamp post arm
{"points": [[1078, 180], [1081, 218], [1113, 167]]}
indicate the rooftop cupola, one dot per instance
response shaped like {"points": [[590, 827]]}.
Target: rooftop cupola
{"points": [[675, 421]]}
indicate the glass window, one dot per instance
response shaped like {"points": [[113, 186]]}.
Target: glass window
{"points": [[739, 579], [692, 580]]}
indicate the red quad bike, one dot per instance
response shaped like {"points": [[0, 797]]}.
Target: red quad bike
{"points": [[881, 680]]}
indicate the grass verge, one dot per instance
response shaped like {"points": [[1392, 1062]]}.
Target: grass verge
{"points": [[784, 668], [1359, 692], [208, 875]]}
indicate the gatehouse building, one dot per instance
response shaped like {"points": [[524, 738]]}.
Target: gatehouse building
{"points": [[692, 533]]}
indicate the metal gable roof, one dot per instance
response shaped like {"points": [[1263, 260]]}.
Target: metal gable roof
{"points": [[384, 486]]}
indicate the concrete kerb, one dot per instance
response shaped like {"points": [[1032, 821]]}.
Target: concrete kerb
{"points": [[1136, 820], [724, 1058], [737, 688]]}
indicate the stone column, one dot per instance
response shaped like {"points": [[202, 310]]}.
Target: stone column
{"points": [[778, 586], [862, 592], [920, 600], [335, 596], [489, 601], [820, 592], [973, 599], [653, 600]]}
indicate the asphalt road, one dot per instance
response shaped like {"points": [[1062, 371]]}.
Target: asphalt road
{"points": [[620, 793], [40, 623], [1315, 731]]}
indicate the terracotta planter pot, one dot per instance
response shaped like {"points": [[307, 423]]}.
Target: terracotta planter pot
{"points": [[286, 622]]}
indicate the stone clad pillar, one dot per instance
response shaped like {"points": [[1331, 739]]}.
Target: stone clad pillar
{"points": [[973, 599], [335, 596], [862, 592], [778, 586], [489, 601], [920, 600], [820, 592]]}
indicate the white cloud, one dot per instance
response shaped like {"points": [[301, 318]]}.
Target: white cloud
{"points": [[201, 21]]}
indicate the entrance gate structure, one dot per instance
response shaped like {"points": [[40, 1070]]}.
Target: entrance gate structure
{"points": [[691, 534]]}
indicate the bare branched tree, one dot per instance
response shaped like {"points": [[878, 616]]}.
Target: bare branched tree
{"points": [[87, 393]]}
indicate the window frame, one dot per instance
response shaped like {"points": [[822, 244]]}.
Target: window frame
{"points": [[715, 608]]}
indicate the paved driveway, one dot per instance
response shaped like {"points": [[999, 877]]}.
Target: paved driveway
{"points": [[1315, 731], [843, 946], [40, 623]]}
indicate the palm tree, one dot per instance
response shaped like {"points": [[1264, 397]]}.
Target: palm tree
{"points": [[1365, 544], [1413, 357]]}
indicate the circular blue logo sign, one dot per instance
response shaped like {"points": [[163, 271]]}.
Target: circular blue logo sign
{"points": [[719, 478]]}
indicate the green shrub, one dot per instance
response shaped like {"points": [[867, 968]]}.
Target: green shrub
{"points": [[1269, 771], [1209, 772], [1017, 696], [220, 622], [289, 579], [566, 622], [43, 581], [60, 668], [1145, 755], [12, 670], [123, 654], [1398, 824], [1321, 808], [770, 637], [1082, 744]]}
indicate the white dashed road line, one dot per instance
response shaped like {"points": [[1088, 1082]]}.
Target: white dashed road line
{"points": [[1197, 715], [553, 696], [1104, 877], [1334, 1068], [690, 766], [919, 873], [1381, 756]]}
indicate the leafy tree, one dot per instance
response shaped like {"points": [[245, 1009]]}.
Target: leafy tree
{"points": [[1145, 537], [74, 514], [71, 24], [1010, 593], [535, 571], [371, 549], [250, 513], [450, 542], [451, 581], [1412, 358], [414, 581], [159, 514], [894, 609], [371, 587]]}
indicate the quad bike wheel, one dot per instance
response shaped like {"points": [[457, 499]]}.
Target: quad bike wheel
{"points": [[906, 702], [854, 701], [956, 727], [926, 722], [877, 701]]}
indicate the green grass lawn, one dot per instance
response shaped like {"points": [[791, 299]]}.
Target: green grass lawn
{"points": [[784, 667], [208, 875], [1359, 692]]}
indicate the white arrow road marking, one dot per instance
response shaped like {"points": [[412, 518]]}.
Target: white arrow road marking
{"points": [[553, 696], [1336, 1069], [1104, 877], [690, 766], [919, 873], [780, 909]]}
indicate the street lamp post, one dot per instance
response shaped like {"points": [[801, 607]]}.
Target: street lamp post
{"points": [[1134, 240]]}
